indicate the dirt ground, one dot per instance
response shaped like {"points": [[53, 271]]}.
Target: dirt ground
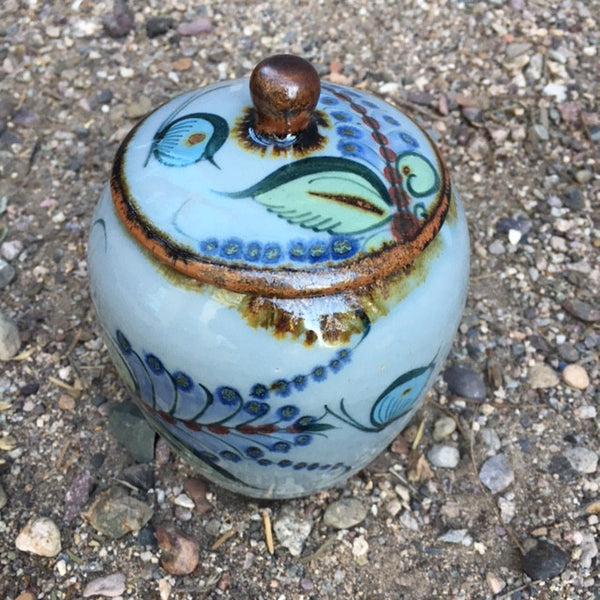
{"points": [[510, 91]]}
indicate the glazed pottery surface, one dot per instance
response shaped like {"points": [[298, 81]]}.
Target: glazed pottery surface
{"points": [[279, 302]]}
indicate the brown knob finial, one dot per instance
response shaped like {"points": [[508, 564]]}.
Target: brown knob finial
{"points": [[284, 90]]}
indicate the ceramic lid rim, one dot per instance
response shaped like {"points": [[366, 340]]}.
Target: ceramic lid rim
{"points": [[280, 281]]}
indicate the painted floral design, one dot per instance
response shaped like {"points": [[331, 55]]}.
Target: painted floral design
{"points": [[222, 426]]}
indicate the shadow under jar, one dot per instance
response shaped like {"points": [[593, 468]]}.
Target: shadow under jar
{"points": [[279, 266]]}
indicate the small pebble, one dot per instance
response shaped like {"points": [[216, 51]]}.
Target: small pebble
{"points": [[567, 352], [582, 310], [589, 549], [497, 247], [292, 532], [442, 455], [109, 586], [179, 552], [495, 583], [457, 536], [129, 427], [140, 475], [576, 376], [465, 382], [138, 107], [582, 459], [491, 440], [544, 560], [121, 21], [196, 489], [7, 273], [444, 427], [496, 473], [66, 402], [184, 501], [10, 340], [344, 513], [78, 494], [3, 497], [116, 514], [360, 550], [40, 536], [156, 26], [542, 377], [200, 25]]}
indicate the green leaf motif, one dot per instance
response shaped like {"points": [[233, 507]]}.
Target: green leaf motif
{"points": [[329, 194]]}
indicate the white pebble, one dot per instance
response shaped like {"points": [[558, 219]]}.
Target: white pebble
{"points": [[40, 536]]}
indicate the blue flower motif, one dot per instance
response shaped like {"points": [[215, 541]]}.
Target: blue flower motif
{"points": [[257, 409], [304, 422], [318, 252], [265, 462], [349, 132], [344, 355], [297, 250], [343, 247], [232, 249], [183, 382], [389, 119], [300, 382], [210, 246], [325, 467], [299, 466], [329, 100], [254, 452], [155, 364], [319, 373], [335, 365], [312, 467], [253, 252], [281, 387], [287, 413], [409, 139], [369, 104], [350, 148], [281, 447], [228, 396], [272, 253], [123, 342], [259, 391], [231, 456], [284, 463], [208, 456], [342, 116]]}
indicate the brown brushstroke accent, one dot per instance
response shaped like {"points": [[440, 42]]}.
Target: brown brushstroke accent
{"points": [[354, 201], [306, 142], [281, 282]]}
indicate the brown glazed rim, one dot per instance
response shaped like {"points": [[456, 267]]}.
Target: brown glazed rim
{"points": [[278, 281]]}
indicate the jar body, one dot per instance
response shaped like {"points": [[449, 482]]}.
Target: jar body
{"points": [[268, 397]]}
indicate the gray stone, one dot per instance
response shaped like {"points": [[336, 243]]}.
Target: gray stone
{"points": [[109, 586], [516, 49], [544, 560], [582, 459], [496, 473], [292, 532], [10, 340], [7, 273], [457, 536], [116, 514], [491, 440], [78, 494], [573, 198], [496, 247], [582, 310], [442, 455], [3, 497], [345, 513], [568, 352], [465, 383], [128, 425]]}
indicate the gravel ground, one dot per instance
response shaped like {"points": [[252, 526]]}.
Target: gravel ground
{"points": [[493, 492]]}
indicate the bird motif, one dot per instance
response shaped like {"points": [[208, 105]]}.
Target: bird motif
{"points": [[189, 139]]}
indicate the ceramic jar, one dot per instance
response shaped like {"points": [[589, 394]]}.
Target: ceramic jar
{"points": [[279, 267]]}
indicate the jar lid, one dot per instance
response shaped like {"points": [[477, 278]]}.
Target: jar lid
{"points": [[281, 185]]}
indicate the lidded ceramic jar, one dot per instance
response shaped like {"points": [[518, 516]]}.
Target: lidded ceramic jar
{"points": [[279, 267]]}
